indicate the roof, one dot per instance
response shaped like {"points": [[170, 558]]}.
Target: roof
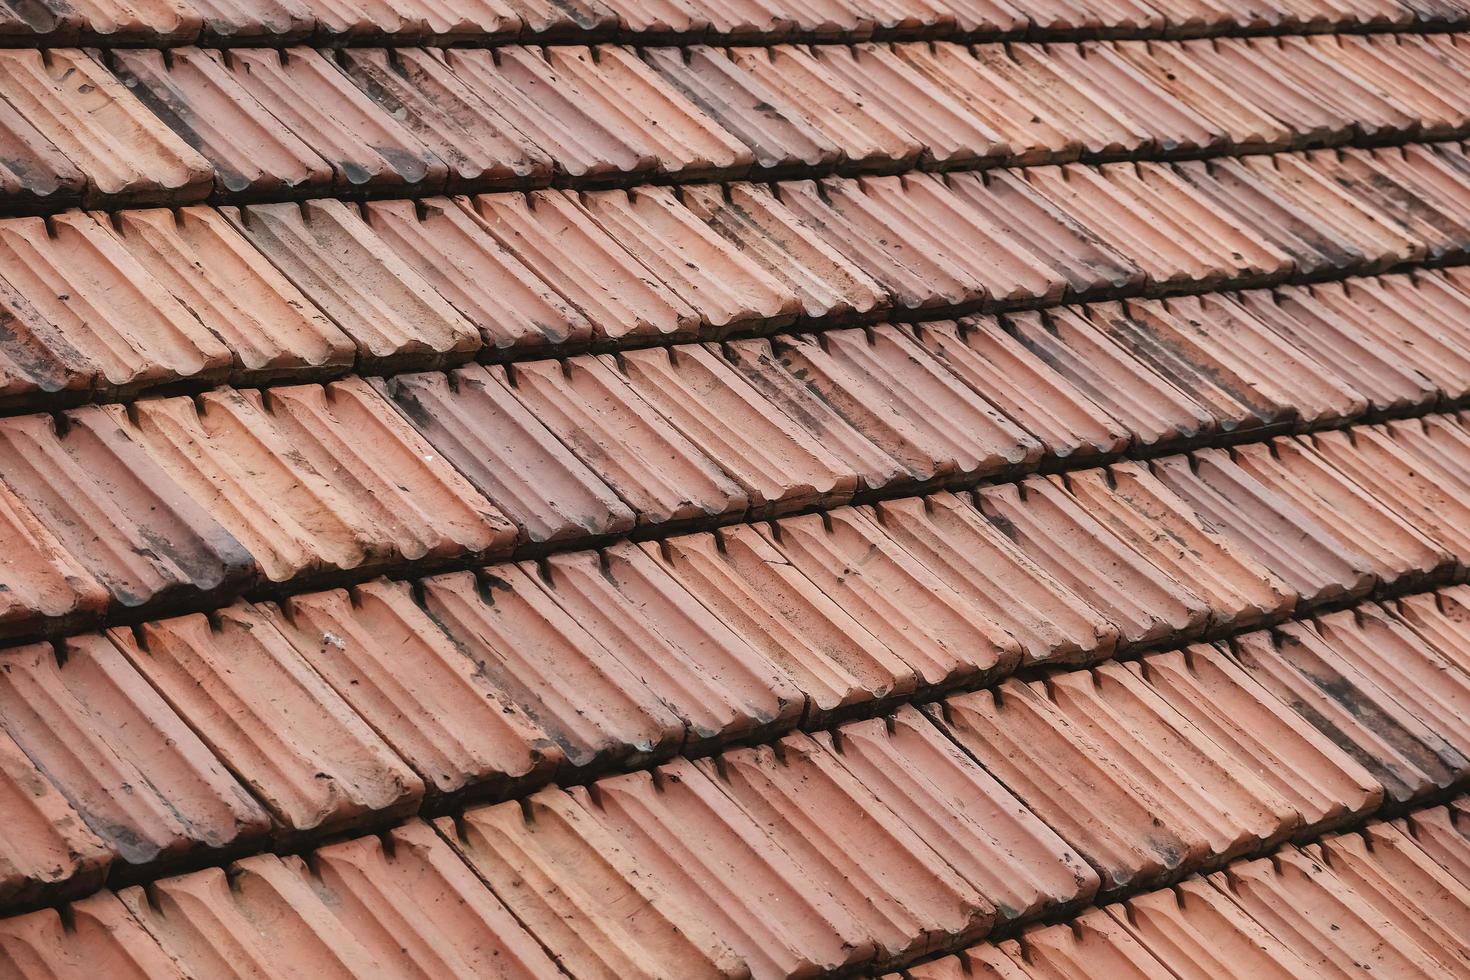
{"points": [[897, 488]]}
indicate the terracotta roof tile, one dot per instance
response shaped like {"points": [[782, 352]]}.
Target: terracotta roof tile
{"points": [[578, 691], [95, 487], [446, 244], [1086, 112], [553, 112], [367, 289], [1267, 525], [1143, 513], [262, 21], [193, 92], [939, 632], [1388, 739], [764, 231], [98, 935], [1397, 551], [1404, 69], [1439, 833], [133, 770], [780, 465], [36, 171], [1151, 409], [721, 686], [272, 330], [658, 119], [97, 309], [948, 535], [979, 351], [742, 579], [39, 580], [728, 290], [365, 146], [902, 895], [777, 135], [48, 851], [656, 470], [477, 424], [552, 234], [558, 866], [1092, 941], [1412, 205], [480, 147], [126, 153], [1056, 531], [1439, 618], [303, 752]]}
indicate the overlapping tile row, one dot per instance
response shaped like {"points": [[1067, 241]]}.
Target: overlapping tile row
{"points": [[872, 843], [165, 23], [282, 721], [147, 126], [105, 307], [1388, 899], [184, 502]]}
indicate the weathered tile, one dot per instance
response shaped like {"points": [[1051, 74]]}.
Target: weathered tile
{"points": [[97, 936], [41, 584]]}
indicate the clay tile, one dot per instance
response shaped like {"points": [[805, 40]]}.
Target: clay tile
{"points": [[1146, 604], [1437, 831], [721, 686], [478, 145], [97, 309], [30, 23], [1092, 941], [1060, 89], [1141, 511], [728, 290], [902, 893], [1267, 525], [268, 22], [135, 772], [561, 871], [47, 852], [94, 486], [1402, 70], [417, 908], [1016, 862], [359, 20], [741, 578], [474, 421], [585, 135], [1323, 785], [942, 635], [765, 232], [1414, 316], [314, 763], [780, 465], [126, 153], [1397, 552], [696, 844], [40, 583], [366, 147], [660, 474], [273, 331], [553, 235], [373, 295], [1307, 317], [1039, 229], [758, 363], [259, 915], [1256, 70], [36, 173], [680, 19], [657, 118], [742, 19], [951, 539], [1439, 618], [876, 379], [1120, 826], [388, 660], [748, 109], [867, 132], [1312, 676], [99, 935], [1018, 382], [1409, 203], [584, 698], [1152, 410], [551, 19]]}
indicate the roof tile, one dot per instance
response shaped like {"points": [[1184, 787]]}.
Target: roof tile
{"points": [[126, 153], [133, 770], [578, 691], [99, 935], [388, 659], [39, 581], [260, 21], [302, 751], [36, 173], [369, 291], [97, 489], [1092, 941], [1052, 83]]}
